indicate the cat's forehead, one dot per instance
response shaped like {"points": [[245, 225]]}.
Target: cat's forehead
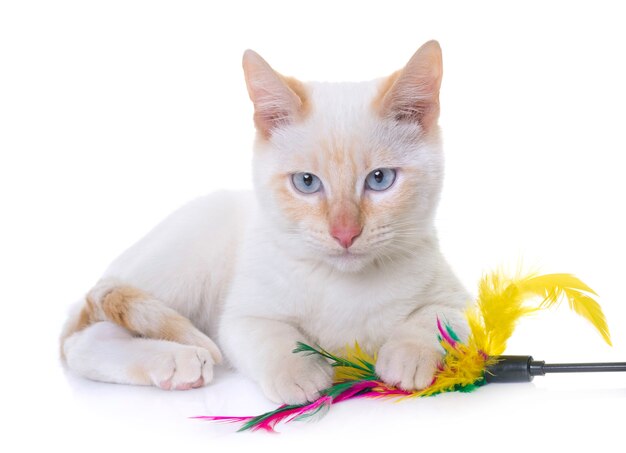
{"points": [[342, 103], [341, 116], [343, 128]]}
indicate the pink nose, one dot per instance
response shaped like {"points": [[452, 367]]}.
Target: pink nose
{"points": [[345, 234]]}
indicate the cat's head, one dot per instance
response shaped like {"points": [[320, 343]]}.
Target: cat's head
{"points": [[349, 173]]}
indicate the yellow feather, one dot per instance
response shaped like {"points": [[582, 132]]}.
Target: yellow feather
{"points": [[356, 355], [503, 300], [498, 308], [555, 287], [463, 366]]}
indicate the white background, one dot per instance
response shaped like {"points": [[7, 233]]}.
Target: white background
{"points": [[114, 113]]}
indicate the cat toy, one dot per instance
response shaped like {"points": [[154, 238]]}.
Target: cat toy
{"points": [[466, 365]]}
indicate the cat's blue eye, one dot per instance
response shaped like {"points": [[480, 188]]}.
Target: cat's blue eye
{"points": [[306, 182], [380, 179]]}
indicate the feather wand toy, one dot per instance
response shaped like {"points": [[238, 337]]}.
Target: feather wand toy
{"points": [[466, 365]]}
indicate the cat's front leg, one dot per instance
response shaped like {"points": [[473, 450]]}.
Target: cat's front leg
{"points": [[262, 349], [410, 357]]}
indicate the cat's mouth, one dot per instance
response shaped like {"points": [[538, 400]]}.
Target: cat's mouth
{"points": [[348, 260], [347, 253]]}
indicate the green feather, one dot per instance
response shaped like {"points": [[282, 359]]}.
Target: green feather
{"points": [[335, 361], [452, 333]]}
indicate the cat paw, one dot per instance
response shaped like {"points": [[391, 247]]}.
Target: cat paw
{"points": [[297, 380], [181, 368], [408, 364]]}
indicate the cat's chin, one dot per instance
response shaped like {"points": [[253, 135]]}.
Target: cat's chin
{"points": [[349, 262]]}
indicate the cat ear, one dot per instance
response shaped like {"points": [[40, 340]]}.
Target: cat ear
{"points": [[277, 100], [412, 94]]}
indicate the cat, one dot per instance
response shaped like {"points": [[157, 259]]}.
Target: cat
{"points": [[337, 244]]}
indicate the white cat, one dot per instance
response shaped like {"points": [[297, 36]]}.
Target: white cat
{"points": [[337, 246]]}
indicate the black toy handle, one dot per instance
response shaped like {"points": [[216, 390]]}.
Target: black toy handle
{"points": [[522, 368]]}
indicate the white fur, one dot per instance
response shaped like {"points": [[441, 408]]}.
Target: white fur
{"points": [[257, 284]]}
